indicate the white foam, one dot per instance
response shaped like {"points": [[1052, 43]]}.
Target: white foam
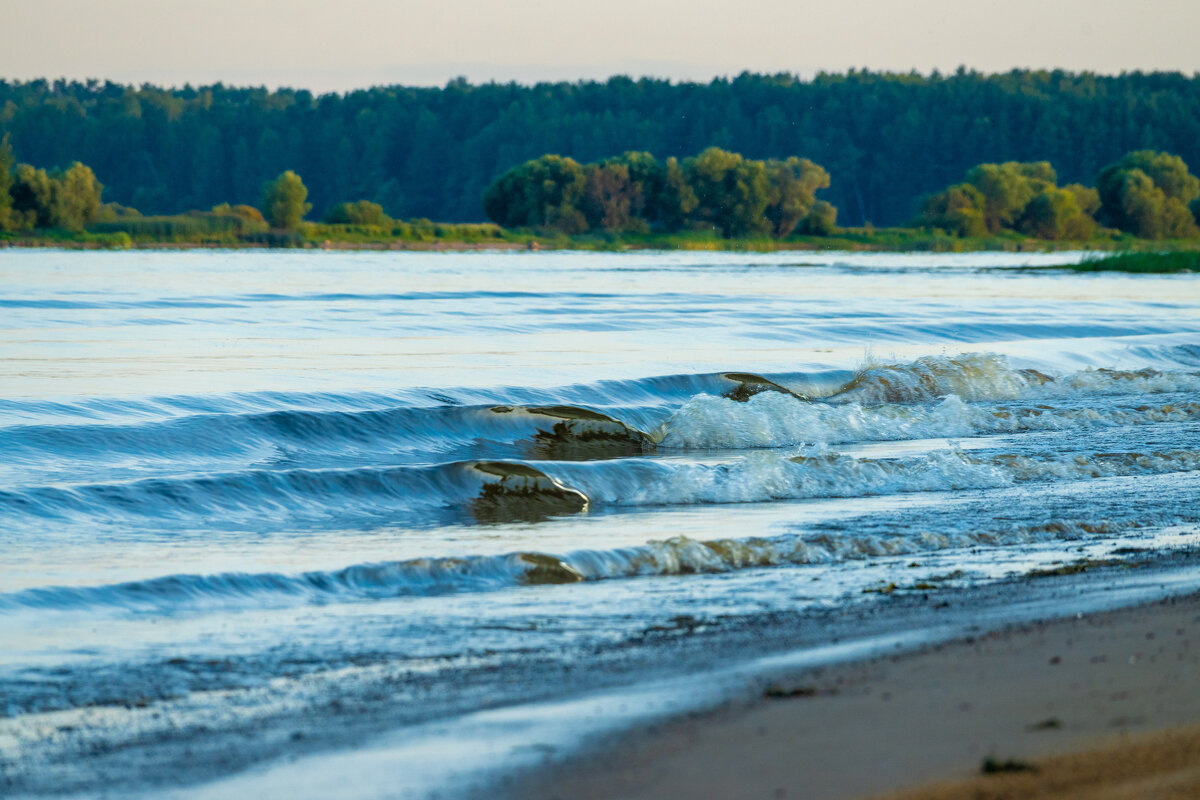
{"points": [[772, 476], [777, 420], [989, 376], [772, 419], [1106, 382]]}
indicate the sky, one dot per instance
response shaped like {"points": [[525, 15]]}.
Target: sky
{"points": [[337, 45]]}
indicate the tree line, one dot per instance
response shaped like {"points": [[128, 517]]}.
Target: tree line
{"points": [[34, 198], [635, 192], [70, 200], [1149, 194], [887, 139]]}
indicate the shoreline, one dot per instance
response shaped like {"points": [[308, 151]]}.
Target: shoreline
{"points": [[534, 243], [659, 716], [663, 716], [504, 247], [922, 723]]}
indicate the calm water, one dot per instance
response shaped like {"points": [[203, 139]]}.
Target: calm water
{"points": [[239, 485]]}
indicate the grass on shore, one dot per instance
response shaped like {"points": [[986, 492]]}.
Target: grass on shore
{"points": [[204, 229], [1162, 262]]}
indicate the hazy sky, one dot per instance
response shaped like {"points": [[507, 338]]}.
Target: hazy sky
{"points": [[328, 45]]}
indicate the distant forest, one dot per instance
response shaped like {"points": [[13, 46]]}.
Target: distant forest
{"points": [[887, 140]]}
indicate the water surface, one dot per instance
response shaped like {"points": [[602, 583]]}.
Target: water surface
{"points": [[238, 486]]}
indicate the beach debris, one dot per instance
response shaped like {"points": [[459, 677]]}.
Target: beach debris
{"points": [[521, 493], [994, 766], [682, 623], [543, 569], [1076, 567], [777, 692], [746, 385], [890, 587], [575, 427], [1049, 724]]}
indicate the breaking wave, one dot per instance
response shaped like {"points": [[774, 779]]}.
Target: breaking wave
{"points": [[774, 420], [772, 476], [497, 491], [679, 555]]}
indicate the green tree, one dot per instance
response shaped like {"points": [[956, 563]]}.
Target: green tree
{"points": [[1007, 188], [793, 187], [1016, 196], [1169, 173], [612, 201], [732, 193], [32, 197], [76, 197], [957, 210], [648, 177], [112, 212], [1087, 198], [8, 220], [241, 211], [888, 139], [635, 192], [361, 212], [544, 192], [1147, 194], [675, 204], [283, 202], [245, 219], [1145, 210], [1055, 214], [821, 220]]}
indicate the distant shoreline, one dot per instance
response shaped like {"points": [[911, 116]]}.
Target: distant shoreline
{"points": [[883, 240], [1142, 257]]}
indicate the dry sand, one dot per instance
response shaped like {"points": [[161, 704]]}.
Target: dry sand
{"points": [[1041, 695], [1162, 765]]}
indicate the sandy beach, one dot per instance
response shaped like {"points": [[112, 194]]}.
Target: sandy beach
{"points": [[1102, 705]]}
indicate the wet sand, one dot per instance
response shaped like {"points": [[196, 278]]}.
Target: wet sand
{"points": [[1102, 705]]}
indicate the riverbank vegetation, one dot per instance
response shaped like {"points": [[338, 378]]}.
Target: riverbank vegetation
{"points": [[1159, 262], [886, 139], [717, 199], [716, 191]]}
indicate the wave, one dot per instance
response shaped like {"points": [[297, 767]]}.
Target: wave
{"points": [[444, 432], [988, 376], [496, 491], [651, 392], [771, 476], [365, 465], [364, 581], [489, 490], [302, 437], [982, 376], [774, 420], [441, 575], [732, 409]]}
